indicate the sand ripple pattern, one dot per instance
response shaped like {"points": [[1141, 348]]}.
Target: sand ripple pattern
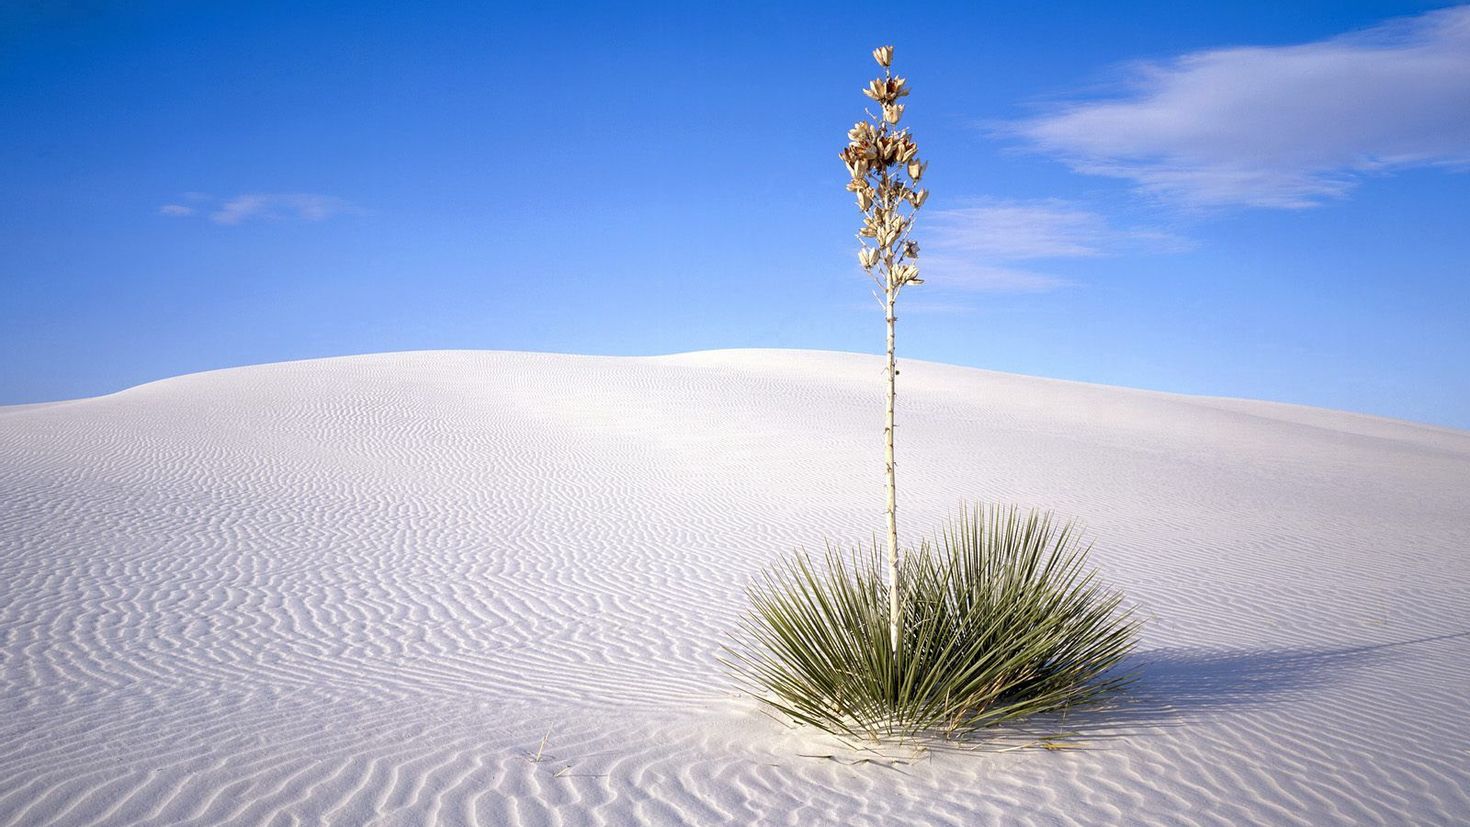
{"points": [[489, 588]]}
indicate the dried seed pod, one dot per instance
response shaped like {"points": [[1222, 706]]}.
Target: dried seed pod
{"points": [[906, 274], [884, 55], [886, 90], [862, 132]]}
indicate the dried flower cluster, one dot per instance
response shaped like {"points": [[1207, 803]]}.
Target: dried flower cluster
{"points": [[886, 171]]}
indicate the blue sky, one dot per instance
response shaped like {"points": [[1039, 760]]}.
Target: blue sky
{"points": [[1262, 200]]}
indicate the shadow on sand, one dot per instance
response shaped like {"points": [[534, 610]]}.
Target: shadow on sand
{"points": [[1171, 685]]}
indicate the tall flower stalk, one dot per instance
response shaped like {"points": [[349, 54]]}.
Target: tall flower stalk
{"points": [[883, 162]]}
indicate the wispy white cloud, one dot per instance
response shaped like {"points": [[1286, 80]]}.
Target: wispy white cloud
{"points": [[1049, 228], [962, 273], [1285, 126], [981, 247], [255, 206], [297, 206]]}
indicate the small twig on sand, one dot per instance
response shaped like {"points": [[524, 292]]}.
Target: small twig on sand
{"points": [[536, 759], [562, 773]]}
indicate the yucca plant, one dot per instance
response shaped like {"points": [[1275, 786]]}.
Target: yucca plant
{"points": [[1002, 618]]}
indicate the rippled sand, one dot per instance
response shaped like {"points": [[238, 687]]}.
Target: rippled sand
{"points": [[372, 589]]}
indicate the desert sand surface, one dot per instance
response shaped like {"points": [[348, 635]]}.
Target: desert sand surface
{"points": [[370, 590]]}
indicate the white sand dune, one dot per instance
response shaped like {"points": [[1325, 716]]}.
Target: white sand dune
{"points": [[363, 590]]}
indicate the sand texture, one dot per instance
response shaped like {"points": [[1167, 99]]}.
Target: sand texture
{"points": [[364, 590]]}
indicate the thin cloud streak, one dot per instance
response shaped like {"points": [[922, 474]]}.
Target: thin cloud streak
{"points": [[977, 247], [280, 206], [1045, 229], [971, 275], [1283, 127], [291, 206]]}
